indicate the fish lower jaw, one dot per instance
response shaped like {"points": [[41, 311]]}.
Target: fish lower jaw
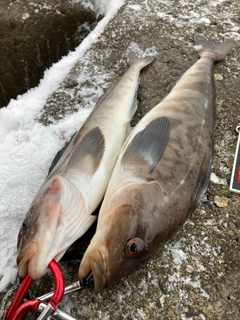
{"points": [[22, 268], [92, 266], [27, 267], [33, 267], [98, 275], [36, 273]]}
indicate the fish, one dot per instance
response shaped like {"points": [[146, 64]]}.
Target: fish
{"points": [[160, 176], [62, 210]]}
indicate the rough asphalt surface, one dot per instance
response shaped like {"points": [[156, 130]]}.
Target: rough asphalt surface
{"points": [[33, 35], [197, 274]]}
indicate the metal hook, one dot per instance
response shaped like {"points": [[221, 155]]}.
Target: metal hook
{"points": [[75, 286], [58, 314]]}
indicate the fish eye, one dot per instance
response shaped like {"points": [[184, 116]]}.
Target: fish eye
{"points": [[25, 223], [135, 247]]}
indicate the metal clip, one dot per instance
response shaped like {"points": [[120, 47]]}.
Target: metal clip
{"points": [[57, 315], [75, 286], [48, 311], [16, 313]]}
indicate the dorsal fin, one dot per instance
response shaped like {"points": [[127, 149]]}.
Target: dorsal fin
{"points": [[88, 153], [59, 155], [148, 145], [106, 93]]}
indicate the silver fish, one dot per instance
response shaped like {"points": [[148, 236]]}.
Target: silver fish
{"points": [[62, 209], [160, 175]]}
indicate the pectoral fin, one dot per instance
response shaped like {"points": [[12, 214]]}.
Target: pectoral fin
{"points": [[89, 152], [149, 144]]}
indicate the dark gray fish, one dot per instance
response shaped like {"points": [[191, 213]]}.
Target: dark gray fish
{"points": [[160, 175]]}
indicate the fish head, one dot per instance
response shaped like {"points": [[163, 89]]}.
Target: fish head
{"points": [[48, 228], [127, 236]]}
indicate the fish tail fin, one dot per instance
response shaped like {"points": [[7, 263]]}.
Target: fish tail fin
{"points": [[143, 62], [219, 51]]}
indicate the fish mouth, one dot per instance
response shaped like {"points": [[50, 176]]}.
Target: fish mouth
{"points": [[28, 263], [22, 267], [94, 262], [35, 257], [98, 275]]}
